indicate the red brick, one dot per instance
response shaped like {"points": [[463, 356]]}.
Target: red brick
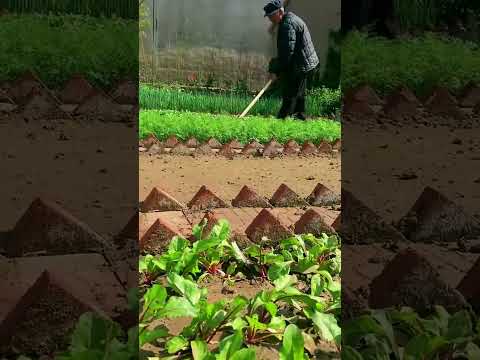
{"points": [[358, 109], [180, 149], [312, 223], [22, 87], [157, 237], [337, 223], [435, 217], [308, 148], [286, 197], [192, 142], [227, 151], [204, 149], [126, 92], [247, 197], [205, 199], [325, 148], [97, 104], [363, 93], [469, 288], [250, 149], [271, 150], [49, 309], [46, 227], [274, 143], [130, 231], [171, 141], [323, 196], [401, 104], [292, 144], [149, 141], [214, 143], [159, 200], [441, 102], [39, 105], [470, 95], [410, 280], [337, 144], [235, 144], [76, 90], [266, 224]]}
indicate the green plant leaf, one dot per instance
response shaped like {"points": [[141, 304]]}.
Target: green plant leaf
{"points": [[200, 350], [244, 354], [292, 344], [178, 307], [147, 336], [176, 344], [327, 327], [423, 347]]}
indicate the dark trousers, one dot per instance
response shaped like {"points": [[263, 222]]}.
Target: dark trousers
{"points": [[293, 93]]}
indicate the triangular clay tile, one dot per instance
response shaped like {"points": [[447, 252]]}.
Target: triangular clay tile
{"points": [[267, 225], [441, 102], [361, 225], [156, 149], [46, 227], [5, 98], [410, 280], [47, 311], [98, 105], [290, 149], [363, 93], [476, 109], [180, 149], [323, 196], [353, 305], [158, 236], [214, 143], [23, 86], [126, 92], [192, 142], [205, 199], [401, 104], [159, 200], [76, 90], [337, 223], [470, 95], [308, 148], [311, 222], [235, 144], [469, 288], [149, 141], [274, 143], [337, 145], [250, 149], [286, 197], [227, 151], [171, 141], [271, 150], [434, 217], [358, 109], [129, 232], [292, 144], [204, 149], [247, 197], [39, 105], [325, 148]]}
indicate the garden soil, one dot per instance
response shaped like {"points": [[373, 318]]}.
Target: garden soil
{"points": [[182, 176]]}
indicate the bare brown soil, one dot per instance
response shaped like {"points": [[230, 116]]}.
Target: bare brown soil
{"points": [[44, 159], [182, 176]]}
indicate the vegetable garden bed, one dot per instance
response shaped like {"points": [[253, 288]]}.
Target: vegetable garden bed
{"points": [[225, 128], [295, 316], [320, 102]]}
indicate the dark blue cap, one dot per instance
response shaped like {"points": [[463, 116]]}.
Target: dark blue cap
{"points": [[272, 7]]}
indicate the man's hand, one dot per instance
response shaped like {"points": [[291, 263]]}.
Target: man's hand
{"points": [[273, 77]]}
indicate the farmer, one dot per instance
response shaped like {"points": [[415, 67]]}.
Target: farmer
{"points": [[296, 58]]}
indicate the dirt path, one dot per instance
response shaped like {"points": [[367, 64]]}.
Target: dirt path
{"points": [[182, 176]]}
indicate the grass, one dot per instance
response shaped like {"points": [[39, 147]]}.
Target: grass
{"points": [[320, 102], [227, 127], [419, 63], [55, 47]]}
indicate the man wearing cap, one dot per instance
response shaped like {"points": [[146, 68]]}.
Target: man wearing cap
{"points": [[295, 60]]}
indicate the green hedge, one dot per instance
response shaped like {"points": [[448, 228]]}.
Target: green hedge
{"points": [[55, 47], [419, 63]]}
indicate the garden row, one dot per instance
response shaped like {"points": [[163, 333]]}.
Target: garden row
{"points": [[401, 106], [225, 128], [57, 47], [319, 102], [28, 97], [291, 310], [418, 63]]}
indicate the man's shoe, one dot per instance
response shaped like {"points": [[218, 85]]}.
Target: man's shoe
{"points": [[300, 116]]}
